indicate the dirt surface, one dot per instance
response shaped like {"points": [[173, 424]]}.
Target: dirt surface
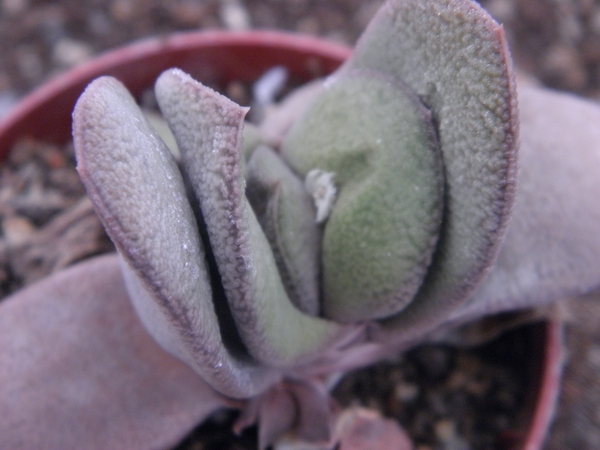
{"points": [[555, 41]]}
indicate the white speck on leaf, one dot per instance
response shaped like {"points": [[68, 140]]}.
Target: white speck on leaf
{"points": [[319, 184]]}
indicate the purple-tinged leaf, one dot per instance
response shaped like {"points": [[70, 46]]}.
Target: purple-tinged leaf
{"points": [[275, 411], [302, 408], [315, 410], [208, 129], [551, 249], [455, 57], [139, 194], [78, 369]]}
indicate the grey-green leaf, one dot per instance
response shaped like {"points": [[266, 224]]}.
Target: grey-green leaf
{"points": [[287, 216], [139, 194], [454, 56], [208, 130], [379, 141]]}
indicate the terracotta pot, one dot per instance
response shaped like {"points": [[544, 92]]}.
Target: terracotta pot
{"points": [[219, 57], [544, 386]]}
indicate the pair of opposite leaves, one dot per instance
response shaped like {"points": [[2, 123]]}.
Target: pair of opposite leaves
{"points": [[76, 365], [417, 221]]}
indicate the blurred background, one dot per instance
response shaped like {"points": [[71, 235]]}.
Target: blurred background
{"points": [[556, 42]]}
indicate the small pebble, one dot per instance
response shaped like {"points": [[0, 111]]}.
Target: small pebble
{"points": [[13, 7], [16, 230], [595, 22], [445, 430], [29, 63], [434, 362], [308, 25], [234, 15], [69, 53], [190, 12], [7, 100], [593, 355], [562, 65], [406, 392], [122, 10]]}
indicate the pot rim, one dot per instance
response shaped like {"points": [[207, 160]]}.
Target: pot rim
{"points": [[61, 92], [546, 401]]}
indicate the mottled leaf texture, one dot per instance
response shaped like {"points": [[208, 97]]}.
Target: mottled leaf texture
{"points": [[78, 369], [553, 241], [454, 56], [378, 140], [139, 194], [208, 129]]}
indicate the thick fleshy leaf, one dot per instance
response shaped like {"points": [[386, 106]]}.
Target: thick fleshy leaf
{"points": [[379, 142], [302, 408], [553, 241], [78, 369], [287, 216], [454, 56], [141, 199], [208, 129]]}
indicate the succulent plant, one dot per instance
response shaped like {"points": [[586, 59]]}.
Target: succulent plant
{"points": [[267, 260]]}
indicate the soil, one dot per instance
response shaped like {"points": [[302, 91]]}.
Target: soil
{"points": [[444, 397], [556, 42]]}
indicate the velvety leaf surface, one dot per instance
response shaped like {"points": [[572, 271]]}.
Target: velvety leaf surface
{"points": [[378, 140], [553, 241], [208, 129], [140, 197], [287, 216], [454, 56], [78, 369]]}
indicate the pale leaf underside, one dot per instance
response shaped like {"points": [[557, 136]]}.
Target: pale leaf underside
{"points": [[79, 370], [553, 241]]}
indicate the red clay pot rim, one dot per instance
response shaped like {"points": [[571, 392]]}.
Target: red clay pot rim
{"points": [[549, 389], [145, 53], [55, 100]]}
